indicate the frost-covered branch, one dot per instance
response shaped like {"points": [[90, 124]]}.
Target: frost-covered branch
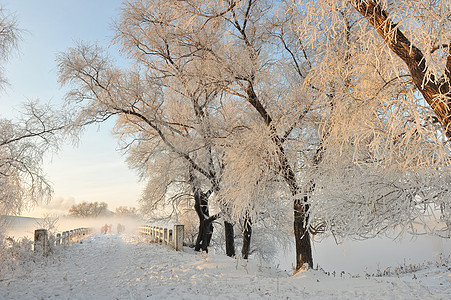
{"points": [[434, 90]]}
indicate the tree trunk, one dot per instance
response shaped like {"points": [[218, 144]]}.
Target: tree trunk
{"points": [[301, 235], [208, 233], [205, 234], [247, 233], [200, 235], [205, 222], [229, 239]]}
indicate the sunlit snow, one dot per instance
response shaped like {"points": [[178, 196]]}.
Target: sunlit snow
{"points": [[112, 266]]}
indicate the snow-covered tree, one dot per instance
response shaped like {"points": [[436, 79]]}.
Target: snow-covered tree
{"points": [[163, 115], [25, 140], [254, 58], [373, 123], [384, 160], [232, 48], [23, 144]]}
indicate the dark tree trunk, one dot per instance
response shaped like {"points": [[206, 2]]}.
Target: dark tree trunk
{"points": [[247, 233], [229, 239], [205, 221], [208, 227], [207, 232], [301, 235], [200, 236]]}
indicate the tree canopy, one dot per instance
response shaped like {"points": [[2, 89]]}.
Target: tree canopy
{"points": [[89, 210]]}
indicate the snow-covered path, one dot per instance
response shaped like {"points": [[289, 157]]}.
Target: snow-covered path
{"points": [[128, 267]]}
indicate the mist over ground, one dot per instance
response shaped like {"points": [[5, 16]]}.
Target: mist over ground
{"points": [[18, 227]]}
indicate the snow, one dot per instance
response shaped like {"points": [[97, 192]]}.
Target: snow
{"points": [[129, 267]]}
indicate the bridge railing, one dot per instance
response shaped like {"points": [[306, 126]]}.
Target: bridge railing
{"points": [[164, 236], [43, 242]]}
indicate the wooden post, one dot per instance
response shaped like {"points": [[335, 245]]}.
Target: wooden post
{"points": [[66, 240], [178, 237], [58, 238], [165, 236], [41, 241], [170, 236], [161, 235]]}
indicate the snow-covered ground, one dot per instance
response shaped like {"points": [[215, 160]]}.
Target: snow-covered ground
{"points": [[127, 267]]}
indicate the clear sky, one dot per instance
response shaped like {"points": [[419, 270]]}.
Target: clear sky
{"points": [[94, 170]]}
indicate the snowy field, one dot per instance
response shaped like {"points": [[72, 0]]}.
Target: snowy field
{"points": [[127, 267]]}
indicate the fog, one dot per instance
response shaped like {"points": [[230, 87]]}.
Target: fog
{"points": [[18, 227], [354, 257]]}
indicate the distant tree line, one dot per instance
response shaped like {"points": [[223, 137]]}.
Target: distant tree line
{"points": [[99, 209]]}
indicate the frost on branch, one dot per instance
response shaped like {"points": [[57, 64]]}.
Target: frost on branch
{"points": [[23, 144], [25, 140], [363, 202], [250, 180]]}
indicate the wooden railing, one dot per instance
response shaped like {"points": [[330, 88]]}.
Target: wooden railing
{"points": [[65, 236], [43, 243], [165, 236]]}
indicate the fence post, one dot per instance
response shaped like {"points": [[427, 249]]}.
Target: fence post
{"points": [[66, 240], [165, 236], [178, 237], [41, 241], [170, 236], [58, 238]]}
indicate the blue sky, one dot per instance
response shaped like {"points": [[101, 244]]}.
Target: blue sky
{"points": [[94, 170]]}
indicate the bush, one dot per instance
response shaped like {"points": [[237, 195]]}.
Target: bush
{"points": [[15, 255]]}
